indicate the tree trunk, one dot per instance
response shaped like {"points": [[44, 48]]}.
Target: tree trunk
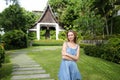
{"points": [[106, 25], [111, 27], [103, 33]]}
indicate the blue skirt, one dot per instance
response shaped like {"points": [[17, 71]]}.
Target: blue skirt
{"points": [[69, 71]]}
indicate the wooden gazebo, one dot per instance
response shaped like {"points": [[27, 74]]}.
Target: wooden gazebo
{"points": [[47, 20]]}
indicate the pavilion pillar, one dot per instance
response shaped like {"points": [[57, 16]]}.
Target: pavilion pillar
{"points": [[38, 32], [57, 31]]}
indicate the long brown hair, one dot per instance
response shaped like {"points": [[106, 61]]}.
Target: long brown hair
{"points": [[75, 35]]}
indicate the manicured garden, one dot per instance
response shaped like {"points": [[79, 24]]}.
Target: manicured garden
{"points": [[49, 57], [91, 22], [91, 68]]}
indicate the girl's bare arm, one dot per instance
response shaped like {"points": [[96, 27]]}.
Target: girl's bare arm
{"points": [[64, 52], [76, 57]]}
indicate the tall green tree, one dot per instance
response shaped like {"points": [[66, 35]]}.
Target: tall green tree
{"points": [[65, 11], [88, 22], [107, 9], [15, 17], [77, 15], [58, 7]]}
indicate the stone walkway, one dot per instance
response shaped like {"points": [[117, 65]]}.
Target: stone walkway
{"points": [[24, 68]]}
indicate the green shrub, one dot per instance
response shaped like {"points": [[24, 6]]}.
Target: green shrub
{"points": [[83, 45], [116, 25], [111, 36], [48, 43], [93, 51], [112, 50], [52, 34], [31, 35], [109, 51], [62, 35], [15, 39], [2, 55], [42, 34]]}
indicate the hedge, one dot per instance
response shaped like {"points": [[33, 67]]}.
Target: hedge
{"points": [[109, 51], [47, 43]]}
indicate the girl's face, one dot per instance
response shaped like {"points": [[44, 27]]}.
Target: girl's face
{"points": [[70, 36]]}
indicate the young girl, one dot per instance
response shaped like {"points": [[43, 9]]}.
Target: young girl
{"points": [[70, 54]]}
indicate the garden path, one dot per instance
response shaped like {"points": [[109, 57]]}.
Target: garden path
{"points": [[24, 68]]}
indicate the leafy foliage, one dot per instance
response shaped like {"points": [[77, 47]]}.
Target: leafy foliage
{"points": [[112, 50], [15, 17], [116, 25], [107, 9], [109, 50], [87, 17], [77, 15], [15, 39], [62, 35], [31, 35]]}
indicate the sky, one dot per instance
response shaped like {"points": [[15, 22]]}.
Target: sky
{"points": [[29, 5]]}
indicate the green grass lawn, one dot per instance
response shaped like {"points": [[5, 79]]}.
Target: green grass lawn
{"points": [[91, 68]]}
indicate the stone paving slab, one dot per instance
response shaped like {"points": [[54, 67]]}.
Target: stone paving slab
{"points": [[21, 77], [28, 72], [24, 66], [24, 69]]}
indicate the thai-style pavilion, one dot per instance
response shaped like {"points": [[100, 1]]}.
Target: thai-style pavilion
{"points": [[47, 21]]}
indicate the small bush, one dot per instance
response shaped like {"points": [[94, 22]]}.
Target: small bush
{"points": [[42, 34], [15, 39], [83, 45], [62, 35], [111, 36], [31, 35], [53, 34], [109, 51], [112, 50], [93, 51]]}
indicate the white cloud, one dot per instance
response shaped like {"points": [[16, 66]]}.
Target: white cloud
{"points": [[33, 4], [3, 5], [28, 4]]}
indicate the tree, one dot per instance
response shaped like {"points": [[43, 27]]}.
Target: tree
{"points": [[88, 22], [58, 7], [107, 9], [77, 15], [65, 11], [15, 17], [69, 15]]}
